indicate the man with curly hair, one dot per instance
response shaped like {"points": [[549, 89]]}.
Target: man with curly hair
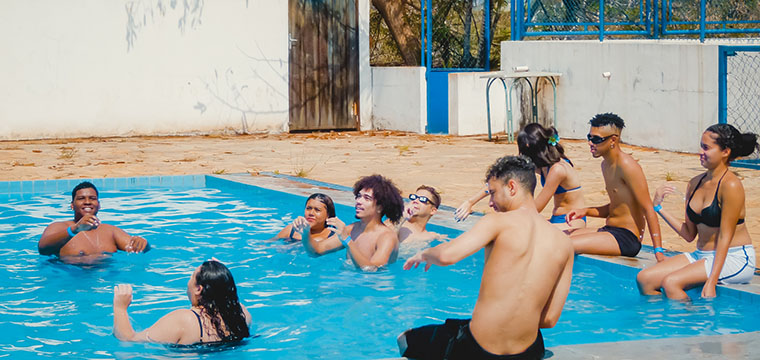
{"points": [[369, 242], [526, 276]]}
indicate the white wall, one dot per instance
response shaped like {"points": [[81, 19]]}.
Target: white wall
{"points": [[365, 72], [666, 91], [399, 98], [468, 114], [105, 68]]}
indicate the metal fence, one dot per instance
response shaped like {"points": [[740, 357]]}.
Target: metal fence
{"points": [[635, 18], [739, 92]]}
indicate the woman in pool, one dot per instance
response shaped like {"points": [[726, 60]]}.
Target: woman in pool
{"points": [[559, 179], [724, 249], [319, 208], [216, 314]]}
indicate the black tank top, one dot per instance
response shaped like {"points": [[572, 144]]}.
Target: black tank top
{"points": [[710, 215]]}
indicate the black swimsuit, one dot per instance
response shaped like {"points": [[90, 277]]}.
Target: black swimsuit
{"points": [[710, 215], [200, 324]]}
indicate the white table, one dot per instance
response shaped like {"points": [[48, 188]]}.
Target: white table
{"points": [[503, 76]]}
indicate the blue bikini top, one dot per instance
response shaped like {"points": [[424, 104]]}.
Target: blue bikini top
{"points": [[560, 189], [710, 215]]}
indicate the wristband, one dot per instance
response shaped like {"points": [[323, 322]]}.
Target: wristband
{"points": [[659, 250], [345, 241], [657, 208], [71, 233]]}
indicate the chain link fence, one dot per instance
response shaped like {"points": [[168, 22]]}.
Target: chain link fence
{"points": [[743, 93]]}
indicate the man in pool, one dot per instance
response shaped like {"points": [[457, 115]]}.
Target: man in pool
{"points": [[526, 276], [86, 235], [630, 206], [369, 242], [422, 206]]}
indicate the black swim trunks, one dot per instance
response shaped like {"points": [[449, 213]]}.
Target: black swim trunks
{"points": [[453, 340], [628, 242]]}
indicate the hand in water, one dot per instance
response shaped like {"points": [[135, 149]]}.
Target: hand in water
{"points": [[136, 244], [463, 211]]}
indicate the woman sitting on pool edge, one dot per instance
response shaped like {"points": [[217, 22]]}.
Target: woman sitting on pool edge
{"points": [[216, 314], [319, 208], [724, 248], [559, 179]]}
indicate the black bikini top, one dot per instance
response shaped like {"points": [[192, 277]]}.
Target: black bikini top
{"points": [[710, 215]]}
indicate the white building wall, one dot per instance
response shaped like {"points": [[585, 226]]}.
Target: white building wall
{"points": [[468, 114], [399, 98], [666, 91]]}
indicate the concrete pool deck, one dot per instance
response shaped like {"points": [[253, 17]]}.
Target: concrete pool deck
{"points": [[732, 346]]}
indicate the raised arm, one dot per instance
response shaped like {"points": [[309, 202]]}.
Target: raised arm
{"points": [[465, 209], [685, 228], [463, 246], [731, 199], [57, 234], [555, 303], [326, 246], [554, 178], [633, 175], [168, 329]]}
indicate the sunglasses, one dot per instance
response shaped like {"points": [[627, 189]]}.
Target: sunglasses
{"points": [[422, 199], [596, 140]]}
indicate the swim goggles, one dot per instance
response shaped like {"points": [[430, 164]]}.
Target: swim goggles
{"points": [[596, 140]]}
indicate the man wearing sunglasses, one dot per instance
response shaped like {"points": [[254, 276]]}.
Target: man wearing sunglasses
{"points": [[630, 207], [526, 276], [422, 205]]}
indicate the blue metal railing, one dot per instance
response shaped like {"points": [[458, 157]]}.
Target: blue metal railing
{"points": [[651, 19]]}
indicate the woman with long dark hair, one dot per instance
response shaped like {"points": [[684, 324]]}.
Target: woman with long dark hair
{"points": [[559, 180], [319, 208], [714, 216], [216, 314]]}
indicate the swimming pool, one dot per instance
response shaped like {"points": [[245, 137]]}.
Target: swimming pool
{"points": [[302, 307]]}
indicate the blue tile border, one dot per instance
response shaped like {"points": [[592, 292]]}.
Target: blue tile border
{"points": [[121, 183]]}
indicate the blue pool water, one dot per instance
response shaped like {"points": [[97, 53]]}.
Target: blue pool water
{"points": [[302, 307]]}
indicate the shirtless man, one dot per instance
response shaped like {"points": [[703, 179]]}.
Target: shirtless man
{"points": [[526, 276], [370, 242], [86, 236], [422, 206], [630, 205]]}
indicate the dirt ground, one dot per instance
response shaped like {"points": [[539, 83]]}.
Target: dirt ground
{"points": [[454, 165]]}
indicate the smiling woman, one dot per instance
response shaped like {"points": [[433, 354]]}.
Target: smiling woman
{"points": [[86, 237]]}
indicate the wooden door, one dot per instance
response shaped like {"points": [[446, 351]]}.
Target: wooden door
{"points": [[323, 64]]}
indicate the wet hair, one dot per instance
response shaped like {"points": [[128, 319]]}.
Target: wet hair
{"points": [[519, 168], [607, 119], [329, 205], [729, 137], [83, 185], [386, 194], [219, 300], [533, 142], [436, 200]]}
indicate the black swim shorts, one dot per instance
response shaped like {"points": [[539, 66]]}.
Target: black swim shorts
{"points": [[628, 242], [453, 340]]}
